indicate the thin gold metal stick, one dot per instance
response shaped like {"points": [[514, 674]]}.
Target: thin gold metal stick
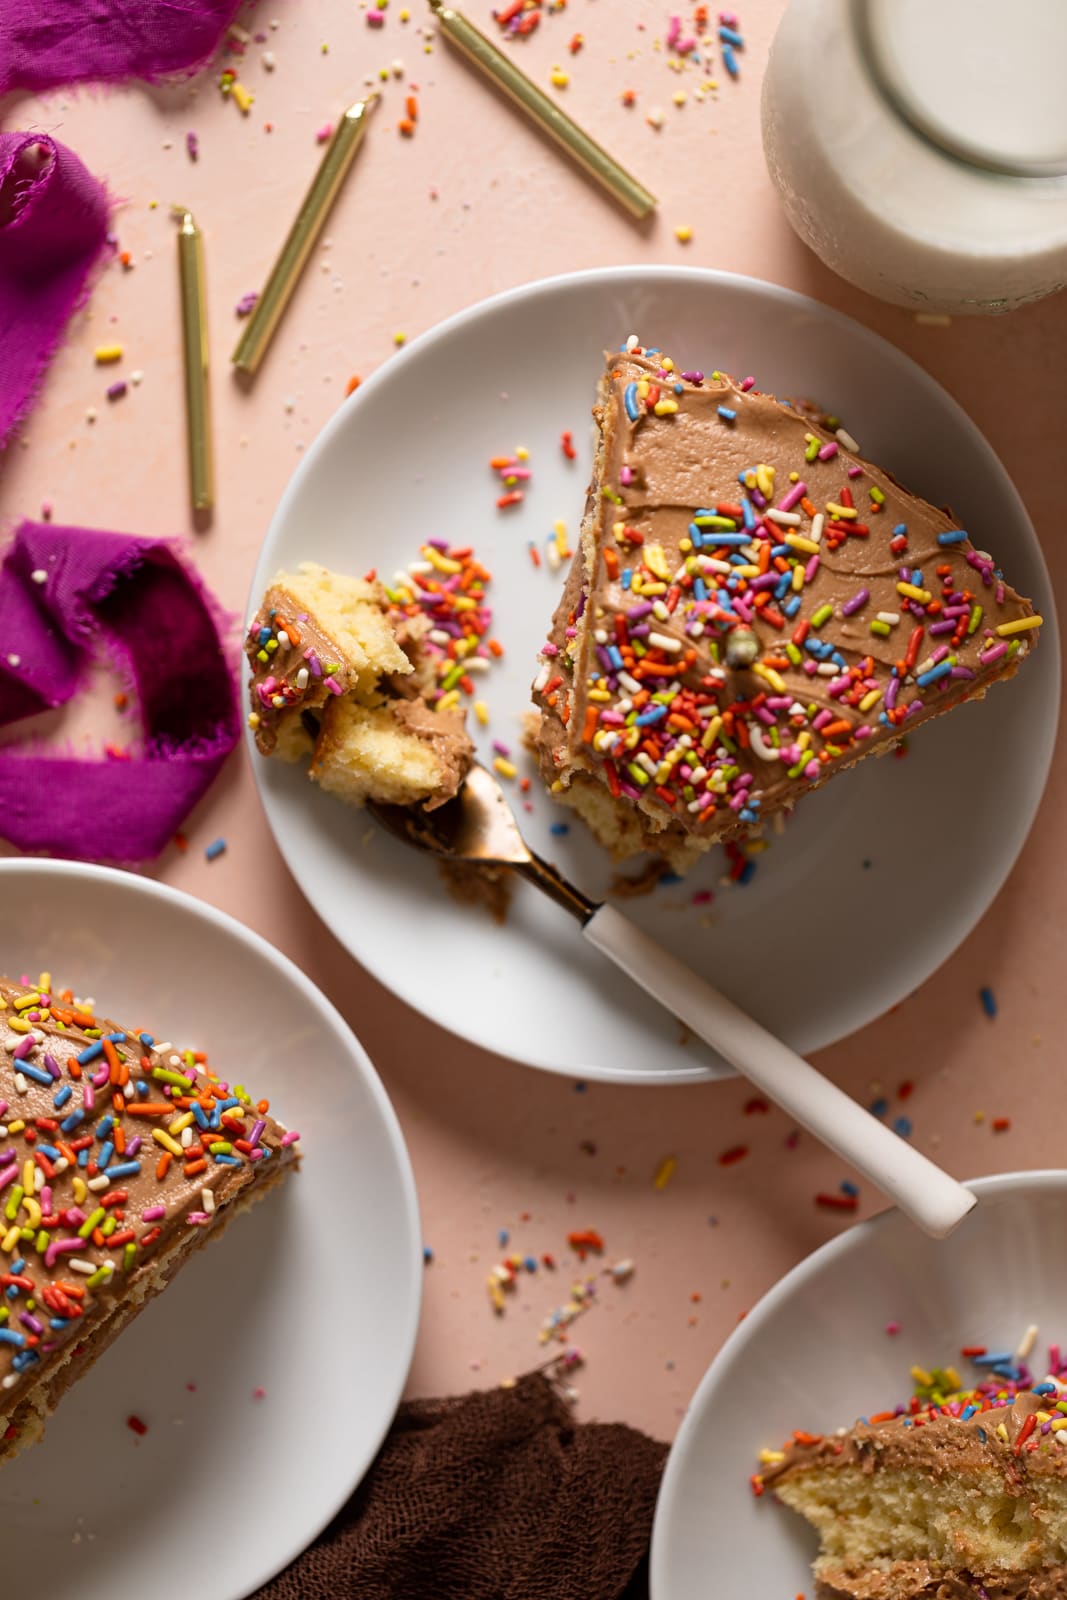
{"points": [[195, 351]]}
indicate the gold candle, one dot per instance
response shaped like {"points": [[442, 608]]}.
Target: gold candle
{"points": [[194, 349], [529, 98], [293, 256]]}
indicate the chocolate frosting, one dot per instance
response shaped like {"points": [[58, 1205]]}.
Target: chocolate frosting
{"points": [[724, 524], [139, 1148]]}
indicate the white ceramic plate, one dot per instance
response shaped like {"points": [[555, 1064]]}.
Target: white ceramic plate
{"points": [[814, 1354], [406, 459], [224, 1489]]}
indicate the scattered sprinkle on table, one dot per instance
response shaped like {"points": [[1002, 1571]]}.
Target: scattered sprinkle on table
{"points": [[215, 849]]}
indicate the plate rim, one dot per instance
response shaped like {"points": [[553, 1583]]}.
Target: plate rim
{"points": [[645, 274], [167, 895], [765, 1309]]}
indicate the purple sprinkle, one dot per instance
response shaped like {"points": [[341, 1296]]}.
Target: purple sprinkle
{"points": [[501, 749], [53, 1067], [246, 304], [116, 390], [133, 1145], [257, 1132], [693, 377], [858, 601]]}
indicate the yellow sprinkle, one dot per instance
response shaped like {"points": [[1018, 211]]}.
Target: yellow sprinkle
{"points": [[559, 78], [107, 352], [841, 513], [400, 338], [19, 1025], [449, 700], [81, 1189], [496, 1294], [797, 542], [44, 983], [711, 733], [665, 408], [665, 1172], [436, 559], [1022, 625], [775, 679], [798, 578], [683, 234], [1002, 1432], [242, 96], [16, 1126], [32, 1209], [642, 389], [560, 531], [522, 453], [771, 1458], [506, 769], [871, 698], [1058, 1423], [656, 561], [28, 1170], [922, 595], [765, 480], [10, 1239], [180, 1124], [481, 712], [167, 1142]]}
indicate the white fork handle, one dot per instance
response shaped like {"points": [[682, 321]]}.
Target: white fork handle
{"points": [[922, 1191]]}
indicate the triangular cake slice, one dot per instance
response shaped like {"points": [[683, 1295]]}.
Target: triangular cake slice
{"points": [[962, 1497], [753, 608]]}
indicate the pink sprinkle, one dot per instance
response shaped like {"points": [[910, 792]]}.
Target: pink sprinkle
{"points": [[332, 684], [88, 1098], [289, 1138], [259, 1394], [828, 451], [626, 476], [324, 133], [892, 1328], [792, 1139], [375, 18], [192, 145], [61, 1247], [153, 1213], [244, 306], [747, 384], [855, 472]]}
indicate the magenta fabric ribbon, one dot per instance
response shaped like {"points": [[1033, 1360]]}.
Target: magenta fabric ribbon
{"points": [[44, 43], [64, 592], [53, 226]]}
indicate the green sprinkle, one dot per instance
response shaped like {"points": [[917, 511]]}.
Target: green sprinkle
{"points": [[99, 1277], [812, 451], [176, 1079], [638, 774], [794, 654], [876, 494], [93, 1220], [822, 616], [128, 1255], [222, 1147], [882, 629], [976, 617]]}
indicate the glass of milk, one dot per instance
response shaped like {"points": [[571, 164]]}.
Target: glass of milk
{"points": [[920, 146]]}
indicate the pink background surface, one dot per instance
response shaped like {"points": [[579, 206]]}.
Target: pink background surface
{"points": [[492, 1142]]}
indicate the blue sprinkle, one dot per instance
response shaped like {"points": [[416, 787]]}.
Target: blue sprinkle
{"points": [[116, 1038], [142, 1088], [847, 1187], [125, 1169], [967, 1413], [700, 589], [627, 576], [653, 714], [1044, 1388], [215, 849], [57, 1324], [669, 878], [18, 1266], [147, 1040], [748, 815], [792, 606], [11, 1292], [224, 1105], [61, 1096], [36, 1073], [90, 1053], [747, 870], [69, 1124], [231, 1161], [679, 388], [615, 657], [630, 401], [502, 1237], [83, 1156], [726, 414], [9, 1336], [27, 1358], [107, 1150], [747, 512], [729, 61], [900, 529], [942, 670], [989, 1001], [427, 1254], [902, 1125], [731, 36], [104, 1127], [50, 1151], [200, 1114], [530, 1263], [956, 536]]}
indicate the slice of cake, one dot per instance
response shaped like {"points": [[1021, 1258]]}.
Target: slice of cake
{"points": [[753, 608], [342, 673], [960, 1494], [119, 1157]]}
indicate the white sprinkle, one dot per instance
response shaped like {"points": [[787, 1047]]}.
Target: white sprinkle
{"points": [[207, 1200], [39, 1179], [268, 60], [57, 1166], [787, 519], [662, 641], [302, 678], [600, 635], [629, 683], [76, 1264], [827, 669], [542, 678], [660, 612], [846, 441], [439, 636], [765, 752], [632, 342], [39, 575], [621, 1270], [101, 1181], [890, 617], [1027, 1342], [476, 664], [10, 1381], [14, 661], [137, 377], [815, 531], [186, 1138], [20, 1083]]}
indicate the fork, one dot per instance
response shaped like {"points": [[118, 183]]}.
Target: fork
{"points": [[478, 826]]}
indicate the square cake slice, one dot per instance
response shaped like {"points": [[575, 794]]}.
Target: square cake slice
{"points": [[119, 1157], [753, 609]]}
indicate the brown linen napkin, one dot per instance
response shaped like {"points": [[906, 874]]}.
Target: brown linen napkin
{"points": [[496, 1495]]}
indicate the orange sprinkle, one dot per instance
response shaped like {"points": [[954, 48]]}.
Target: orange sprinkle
{"points": [[353, 383], [163, 1165]]}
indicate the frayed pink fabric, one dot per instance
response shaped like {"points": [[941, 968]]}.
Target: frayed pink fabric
{"points": [[44, 43], [63, 593], [53, 226]]}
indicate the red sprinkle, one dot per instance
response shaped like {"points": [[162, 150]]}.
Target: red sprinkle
{"points": [[137, 1425], [837, 1202], [566, 444], [736, 1153], [1001, 1124], [756, 1104]]}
